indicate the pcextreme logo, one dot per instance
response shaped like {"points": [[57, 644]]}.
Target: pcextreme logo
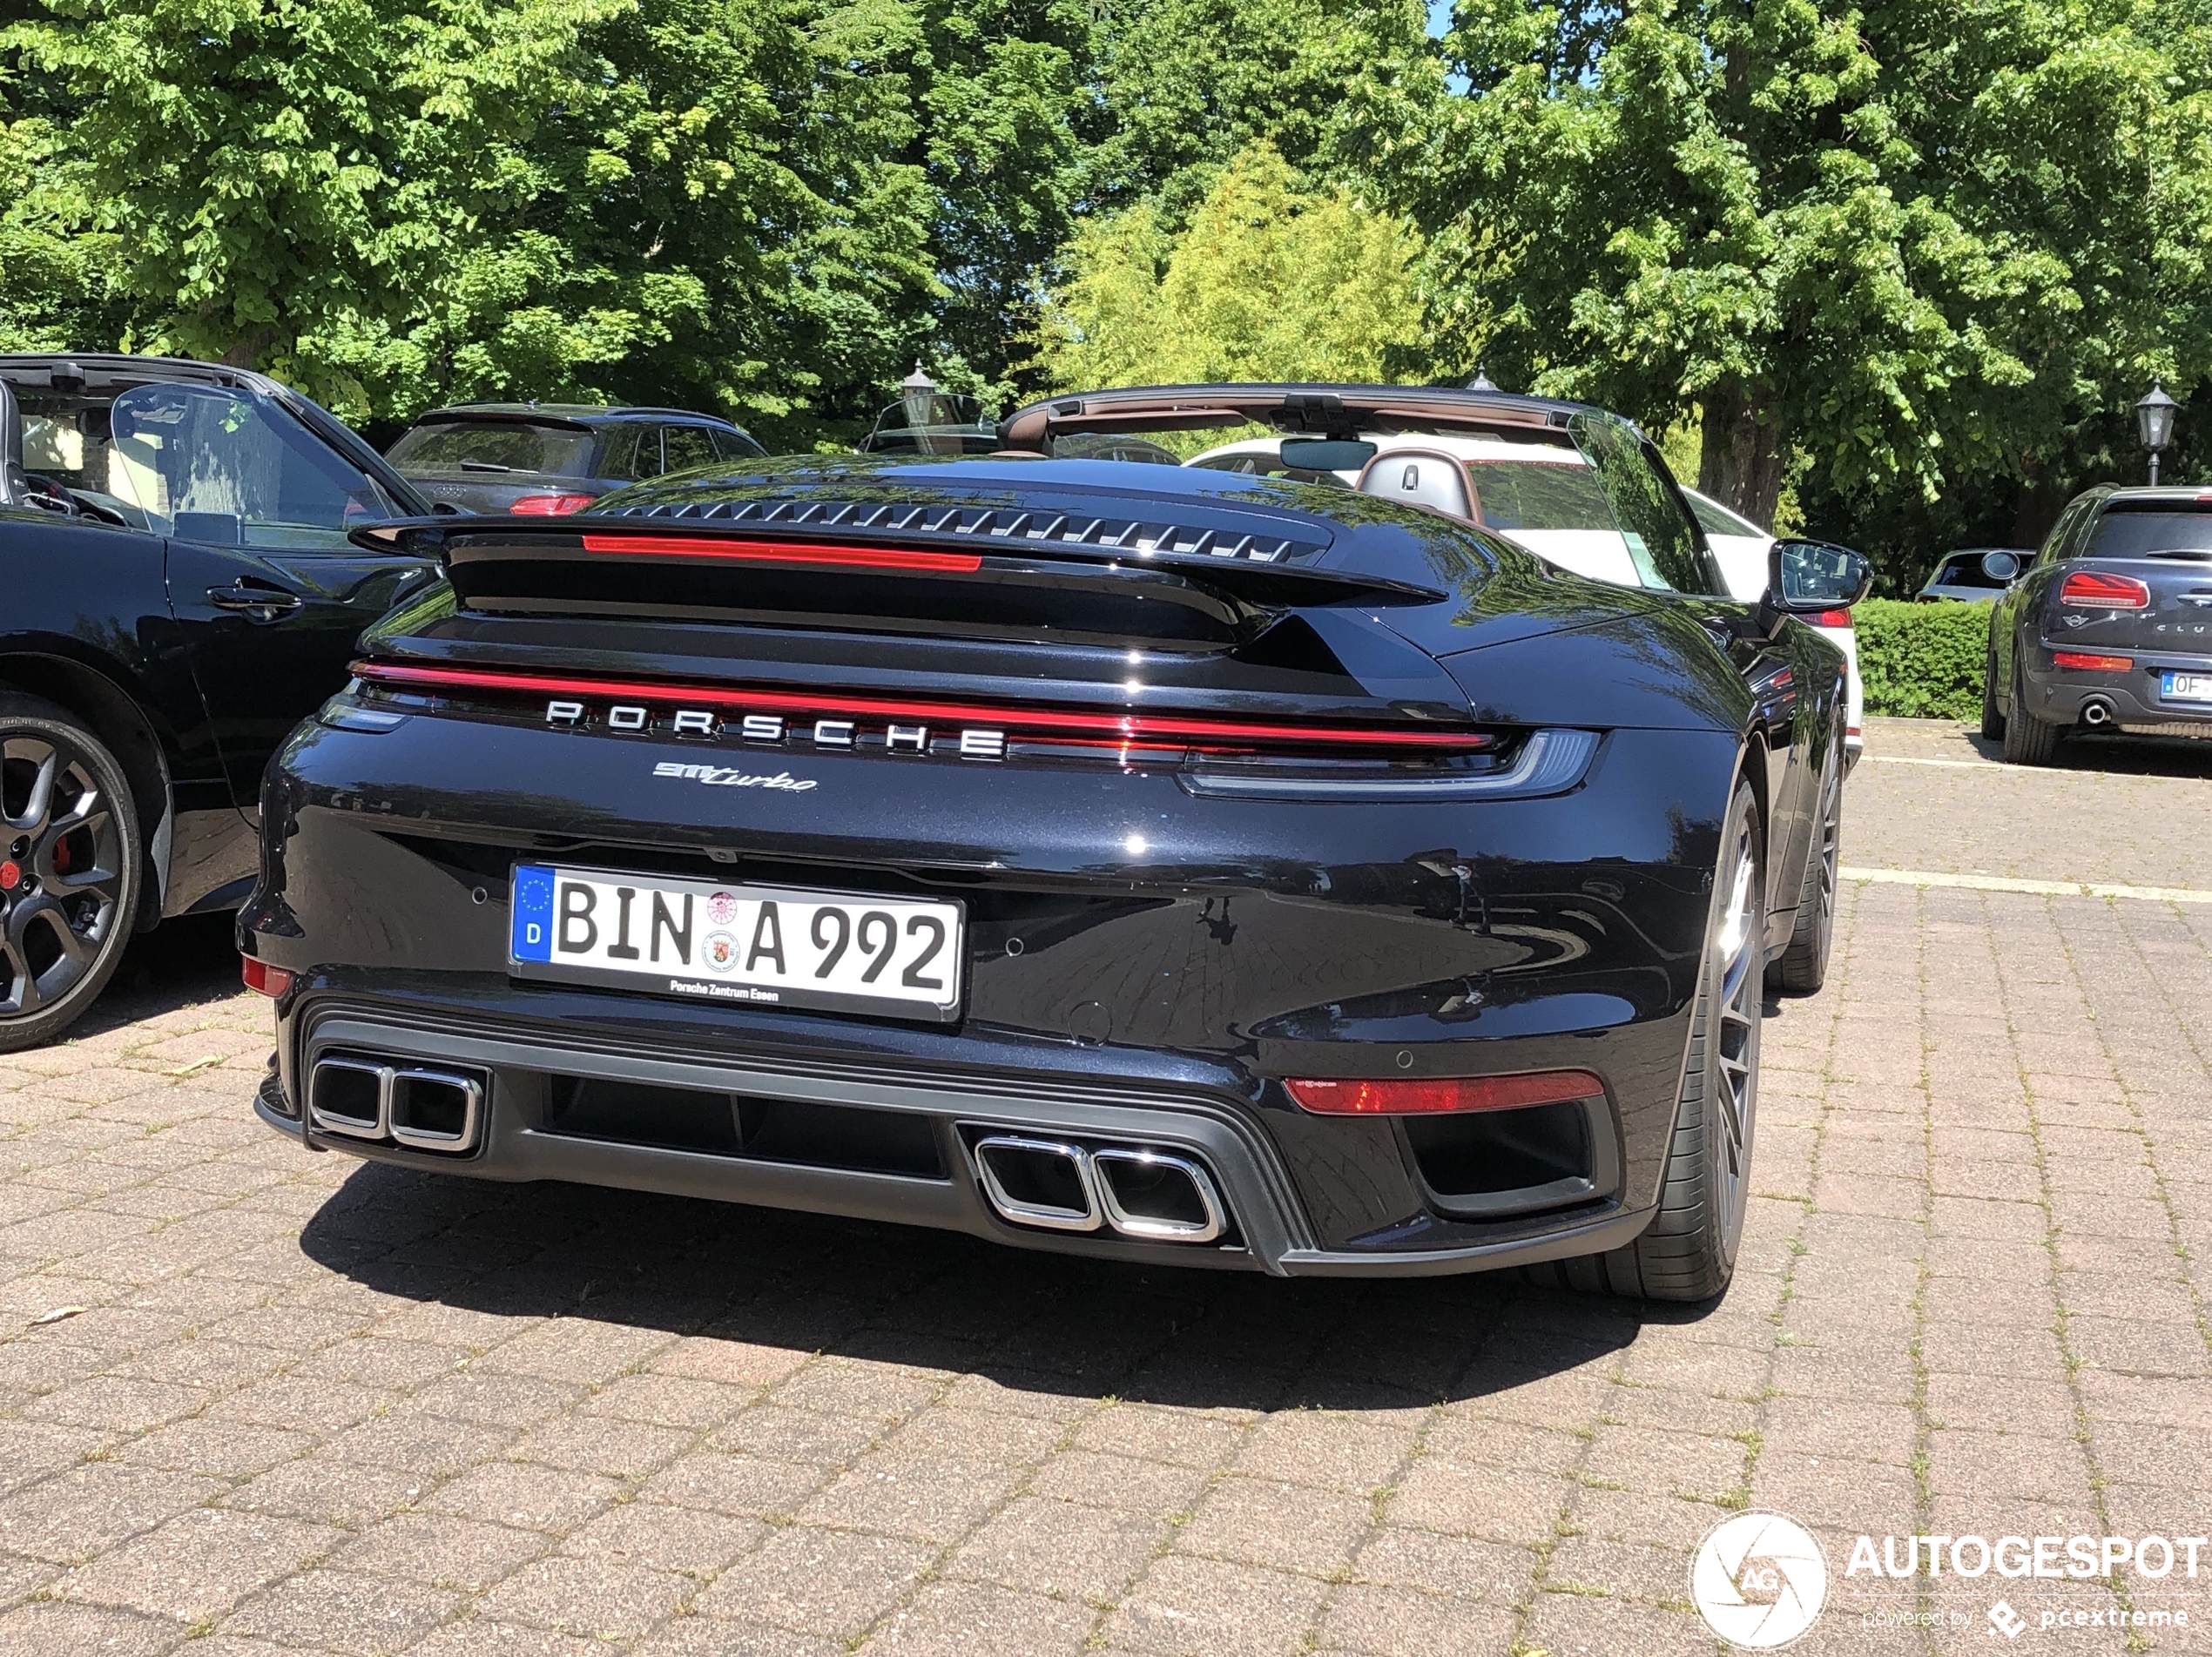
{"points": [[1759, 1580]]}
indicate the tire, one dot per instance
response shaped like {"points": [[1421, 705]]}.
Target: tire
{"points": [[1802, 967], [1992, 717], [70, 869], [2028, 740], [1687, 1252]]}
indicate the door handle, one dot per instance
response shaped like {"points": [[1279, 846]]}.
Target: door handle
{"points": [[255, 598]]}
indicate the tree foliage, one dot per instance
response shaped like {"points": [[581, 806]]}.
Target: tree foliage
{"points": [[1265, 282], [1901, 239]]}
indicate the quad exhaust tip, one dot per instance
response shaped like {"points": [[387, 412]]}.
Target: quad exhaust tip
{"points": [[423, 1109], [1155, 1196]]}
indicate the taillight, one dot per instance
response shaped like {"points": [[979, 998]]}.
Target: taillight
{"points": [[785, 552], [1831, 618], [260, 976], [1436, 1094], [551, 506], [2095, 590], [2092, 664]]}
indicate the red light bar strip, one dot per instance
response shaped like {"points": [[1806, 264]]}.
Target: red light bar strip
{"points": [[1439, 1095], [1073, 722], [784, 552], [2086, 660]]}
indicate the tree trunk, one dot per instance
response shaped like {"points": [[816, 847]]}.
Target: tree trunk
{"points": [[245, 351], [1740, 462]]}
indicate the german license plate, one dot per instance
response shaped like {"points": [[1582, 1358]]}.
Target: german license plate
{"points": [[2185, 687], [741, 945]]}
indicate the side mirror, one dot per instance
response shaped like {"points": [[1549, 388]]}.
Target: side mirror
{"points": [[2000, 566], [1804, 577]]}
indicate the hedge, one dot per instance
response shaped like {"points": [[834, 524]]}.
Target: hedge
{"points": [[1922, 661]]}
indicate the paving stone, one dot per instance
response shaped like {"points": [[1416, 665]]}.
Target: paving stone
{"points": [[605, 1598], [336, 1611], [464, 1554], [200, 1564], [836, 1583], [1289, 1527], [1205, 1606]]}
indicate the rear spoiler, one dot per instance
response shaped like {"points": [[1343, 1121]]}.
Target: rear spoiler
{"points": [[1226, 581]]}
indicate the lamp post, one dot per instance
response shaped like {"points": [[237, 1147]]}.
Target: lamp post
{"points": [[918, 392], [2154, 424]]}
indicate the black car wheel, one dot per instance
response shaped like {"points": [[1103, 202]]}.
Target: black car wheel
{"points": [[1688, 1250], [2028, 740], [70, 869], [1802, 967], [1992, 717]]}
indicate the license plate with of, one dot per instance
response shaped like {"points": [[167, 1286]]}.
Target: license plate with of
{"points": [[2185, 687], [738, 945]]}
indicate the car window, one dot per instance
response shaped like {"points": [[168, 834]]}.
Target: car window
{"points": [[1662, 541], [2125, 534], [685, 446], [462, 446], [2057, 544], [619, 448], [736, 446], [1716, 520], [210, 463], [1539, 495]]}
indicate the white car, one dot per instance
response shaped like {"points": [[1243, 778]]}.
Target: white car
{"points": [[1546, 499]]}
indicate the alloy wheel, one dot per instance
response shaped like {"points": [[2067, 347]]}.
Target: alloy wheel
{"points": [[1738, 946], [61, 879]]}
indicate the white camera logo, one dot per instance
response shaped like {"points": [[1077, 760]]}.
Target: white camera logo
{"points": [[1759, 1580]]}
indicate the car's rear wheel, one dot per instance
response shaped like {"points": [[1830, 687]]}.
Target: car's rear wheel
{"points": [[1688, 1250], [69, 869], [1802, 967], [2028, 740], [1992, 717]]}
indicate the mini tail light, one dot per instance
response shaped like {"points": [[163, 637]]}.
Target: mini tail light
{"points": [[260, 976], [1831, 618], [2093, 663], [551, 506], [1437, 1094], [2095, 590]]}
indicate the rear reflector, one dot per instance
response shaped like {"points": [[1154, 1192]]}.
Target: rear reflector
{"points": [[1831, 618], [551, 506], [2095, 590], [784, 552], [1063, 723], [2093, 663], [260, 976], [1434, 1095]]}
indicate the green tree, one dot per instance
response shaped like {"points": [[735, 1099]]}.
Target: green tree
{"points": [[1266, 282], [1902, 239]]}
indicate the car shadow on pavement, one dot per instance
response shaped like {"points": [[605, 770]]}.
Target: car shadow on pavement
{"points": [[2118, 756], [180, 963], [945, 1301]]}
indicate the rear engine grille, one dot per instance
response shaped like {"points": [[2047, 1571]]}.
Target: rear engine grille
{"points": [[987, 523]]}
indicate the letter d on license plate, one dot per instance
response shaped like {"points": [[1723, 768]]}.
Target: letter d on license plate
{"points": [[740, 945]]}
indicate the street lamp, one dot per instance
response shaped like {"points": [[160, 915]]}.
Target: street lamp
{"points": [[2155, 422], [918, 392]]}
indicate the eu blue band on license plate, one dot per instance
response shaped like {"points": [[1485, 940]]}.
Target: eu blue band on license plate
{"points": [[533, 935]]}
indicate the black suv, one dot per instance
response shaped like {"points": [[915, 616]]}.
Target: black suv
{"points": [[181, 592], [550, 459]]}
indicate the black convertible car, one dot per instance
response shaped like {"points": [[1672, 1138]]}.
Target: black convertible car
{"points": [[1149, 861], [180, 594]]}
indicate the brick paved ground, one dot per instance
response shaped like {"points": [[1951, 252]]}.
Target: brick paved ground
{"points": [[255, 1401]]}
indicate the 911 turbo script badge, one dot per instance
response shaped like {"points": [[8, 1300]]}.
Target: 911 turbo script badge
{"points": [[733, 776]]}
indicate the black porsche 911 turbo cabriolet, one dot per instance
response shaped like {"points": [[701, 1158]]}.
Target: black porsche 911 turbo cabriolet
{"points": [[1160, 862]]}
